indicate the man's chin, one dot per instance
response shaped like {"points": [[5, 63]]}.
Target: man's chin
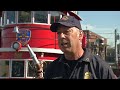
{"points": [[66, 50]]}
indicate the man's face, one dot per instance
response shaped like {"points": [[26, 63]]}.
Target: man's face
{"points": [[68, 38]]}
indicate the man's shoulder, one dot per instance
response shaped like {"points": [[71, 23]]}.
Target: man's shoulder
{"points": [[92, 57], [97, 60]]}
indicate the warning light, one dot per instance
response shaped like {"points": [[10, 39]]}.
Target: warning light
{"points": [[16, 45]]}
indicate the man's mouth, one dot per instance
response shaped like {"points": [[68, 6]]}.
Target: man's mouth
{"points": [[64, 44]]}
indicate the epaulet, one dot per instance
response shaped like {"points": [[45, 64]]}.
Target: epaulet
{"points": [[88, 57]]}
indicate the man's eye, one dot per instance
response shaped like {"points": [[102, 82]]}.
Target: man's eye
{"points": [[66, 32]]}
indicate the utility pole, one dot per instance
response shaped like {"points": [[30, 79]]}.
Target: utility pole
{"points": [[116, 51]]}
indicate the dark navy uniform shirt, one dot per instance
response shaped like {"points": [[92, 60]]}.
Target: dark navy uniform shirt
{"points": [[86, 67]]}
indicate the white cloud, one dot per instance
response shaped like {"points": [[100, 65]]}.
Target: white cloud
{"points": [[87, 26], [97, 29]]}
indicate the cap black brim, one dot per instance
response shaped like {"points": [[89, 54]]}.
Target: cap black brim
{"points": [[55, 26]]}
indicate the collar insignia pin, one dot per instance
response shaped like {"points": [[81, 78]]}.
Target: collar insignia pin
{"points": [[87, 75]]}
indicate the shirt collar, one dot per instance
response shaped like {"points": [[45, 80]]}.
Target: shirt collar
{"points": [[85, 57]]}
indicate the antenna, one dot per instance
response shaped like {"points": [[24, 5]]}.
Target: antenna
{"points": [[86, 27]]}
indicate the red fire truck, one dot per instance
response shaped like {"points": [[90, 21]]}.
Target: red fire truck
{"points": [[20, 28]]}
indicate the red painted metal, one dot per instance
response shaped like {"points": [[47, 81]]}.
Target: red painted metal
{"points": [[41, 37]]}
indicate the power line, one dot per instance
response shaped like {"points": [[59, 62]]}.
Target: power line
{"points": [[106, 33]]}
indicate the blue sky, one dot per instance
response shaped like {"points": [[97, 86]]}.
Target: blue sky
{"points": [[103, 23]]}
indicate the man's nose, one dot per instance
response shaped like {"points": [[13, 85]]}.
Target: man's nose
{"points": [[62, 35]]}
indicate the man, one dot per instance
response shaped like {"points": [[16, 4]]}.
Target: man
{"points": [[76, 62]]}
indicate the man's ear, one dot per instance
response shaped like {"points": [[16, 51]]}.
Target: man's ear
{"points": [[81, 34]]}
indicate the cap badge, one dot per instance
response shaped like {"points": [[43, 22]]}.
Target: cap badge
{"points": [[64, 18]]}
